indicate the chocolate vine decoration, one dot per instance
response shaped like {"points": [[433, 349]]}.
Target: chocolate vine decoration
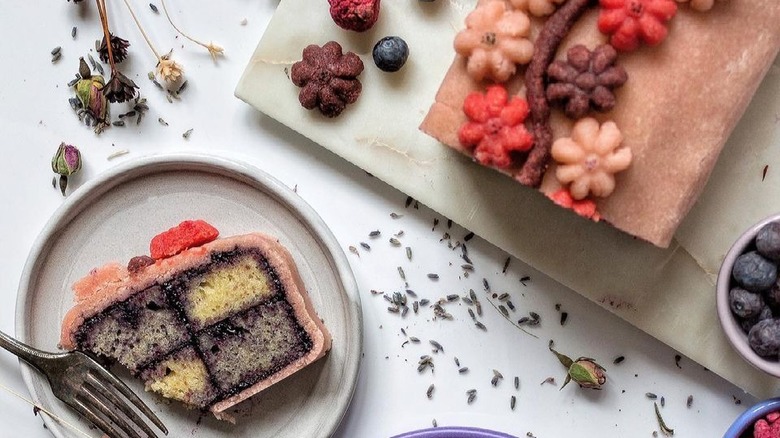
{"points": [[554, 31]]}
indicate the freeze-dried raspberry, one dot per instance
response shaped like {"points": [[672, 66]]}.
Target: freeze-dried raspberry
{"points": [[357, 15]]}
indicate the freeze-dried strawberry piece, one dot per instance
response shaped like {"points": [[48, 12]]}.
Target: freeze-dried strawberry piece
{"points": [[187, 234]]}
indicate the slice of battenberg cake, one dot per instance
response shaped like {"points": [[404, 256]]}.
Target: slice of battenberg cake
{"points": [[204, 321]]}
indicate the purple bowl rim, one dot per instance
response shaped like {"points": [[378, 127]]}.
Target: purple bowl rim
{"points": [[751, 415], [454, 432], [728, 322]]}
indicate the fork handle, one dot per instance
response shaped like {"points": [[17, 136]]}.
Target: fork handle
{"points": [[33, 356]]}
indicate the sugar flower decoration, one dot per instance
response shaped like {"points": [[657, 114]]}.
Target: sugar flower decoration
{"points": [[495, 41], [585, 80], [699, 5], [495, 127], [584, 207], [589, 158], [328, 78], [631, 22], [537, 8]]}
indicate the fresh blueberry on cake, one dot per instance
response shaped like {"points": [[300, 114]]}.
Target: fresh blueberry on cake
{"points": [[206, 321]]}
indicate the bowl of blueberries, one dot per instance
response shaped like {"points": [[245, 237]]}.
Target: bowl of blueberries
{"points": [[748, 295]]}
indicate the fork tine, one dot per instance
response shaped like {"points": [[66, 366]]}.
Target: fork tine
{"points": [[127, 392], [89, 393], [95, 419], [112, 398]]}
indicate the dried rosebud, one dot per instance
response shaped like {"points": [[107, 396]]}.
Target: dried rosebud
{"points": [[84, 71], [584, 371], [587, 373], [66, 162], [89, 91]]}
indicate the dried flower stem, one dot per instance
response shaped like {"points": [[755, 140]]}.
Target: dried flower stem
{"points": [[141, 29], [512, 322], [45, 411], [213, 49], [101, 5]]}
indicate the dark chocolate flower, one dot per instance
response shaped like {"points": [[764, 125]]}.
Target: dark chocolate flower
{"points": [[118, 49], [585, 80], [119, 88], [328, 77]]}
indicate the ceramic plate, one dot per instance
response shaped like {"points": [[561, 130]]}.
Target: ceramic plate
{"points": [[454, 432], [113, 218]]}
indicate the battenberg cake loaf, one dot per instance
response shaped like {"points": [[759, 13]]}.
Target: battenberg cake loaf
{"points": [[617, 109], [209, 322]]}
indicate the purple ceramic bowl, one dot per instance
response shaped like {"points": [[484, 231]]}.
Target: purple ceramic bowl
{"points": [[728, 321], [744, 422], [454, 432]]}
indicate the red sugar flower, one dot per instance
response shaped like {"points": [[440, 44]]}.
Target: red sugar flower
{"points": [[585, 208], [633, 21], [495, 127]]}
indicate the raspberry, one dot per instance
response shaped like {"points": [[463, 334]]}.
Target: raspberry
{"points": [[764, 338], [187, 234], [357, 15], [768, 241], [753, 272], [745, 304]]}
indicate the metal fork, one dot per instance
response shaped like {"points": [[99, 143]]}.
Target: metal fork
{"points": [[88, 388]]}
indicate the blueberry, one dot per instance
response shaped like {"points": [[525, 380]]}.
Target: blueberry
{"points": [[753, 272], [747, 324], [745, 304], [768, 241], [772, 298], [390, 53], [764, 337]]}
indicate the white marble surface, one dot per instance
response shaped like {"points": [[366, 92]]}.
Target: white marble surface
{"points": [[390, 397]]}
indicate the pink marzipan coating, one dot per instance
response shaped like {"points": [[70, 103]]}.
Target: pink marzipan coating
{"points": [[112, 283]]}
